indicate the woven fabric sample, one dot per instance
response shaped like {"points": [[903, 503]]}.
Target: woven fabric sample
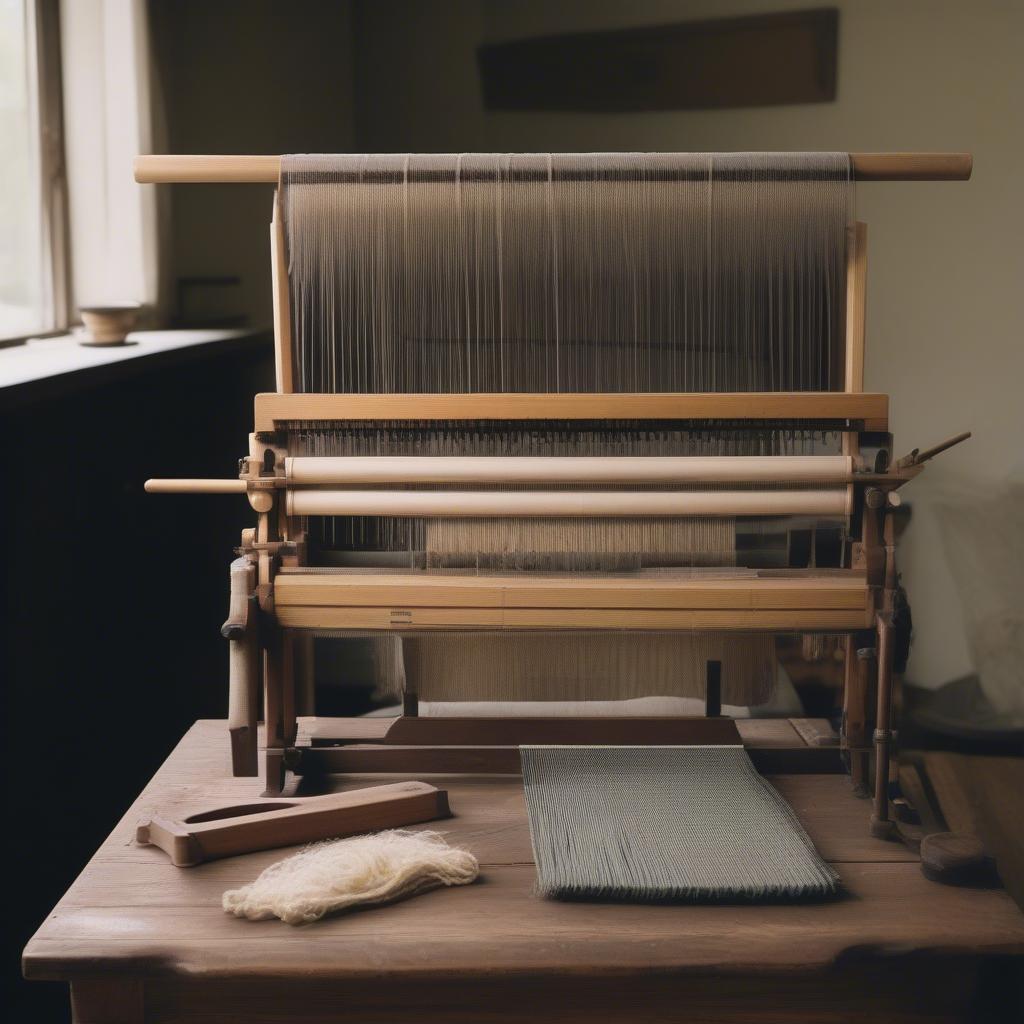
{"points": [[693, 824]]}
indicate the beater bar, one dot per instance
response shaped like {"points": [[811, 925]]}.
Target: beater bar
{"points": [[869, 408]]}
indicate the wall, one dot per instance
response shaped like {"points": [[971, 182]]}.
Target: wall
{"points": [[944, 320], [247, 76]]}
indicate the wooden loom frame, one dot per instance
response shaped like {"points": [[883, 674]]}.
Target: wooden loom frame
{"points": [[858, 602]]}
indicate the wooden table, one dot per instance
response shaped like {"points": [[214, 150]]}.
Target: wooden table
{"points": [[140, 940]]}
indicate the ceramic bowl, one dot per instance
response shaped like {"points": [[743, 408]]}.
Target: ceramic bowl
{"points": [[108, 324]]}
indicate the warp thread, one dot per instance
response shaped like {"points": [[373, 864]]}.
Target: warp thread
{"points": [[577, 666], [562, 272]]}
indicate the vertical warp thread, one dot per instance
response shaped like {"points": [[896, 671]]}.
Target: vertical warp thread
{"points": [[567, 272]]}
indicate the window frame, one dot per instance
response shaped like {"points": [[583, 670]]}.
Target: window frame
{"points": [[43, 38]]}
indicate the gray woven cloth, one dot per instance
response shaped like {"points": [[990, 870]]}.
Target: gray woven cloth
{"points": [[693, 824]]}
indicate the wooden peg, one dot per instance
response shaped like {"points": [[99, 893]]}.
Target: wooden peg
{"points": [[916, 457]]}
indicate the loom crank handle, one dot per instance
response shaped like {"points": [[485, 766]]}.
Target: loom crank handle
{"points": [[261, 498], [916, 457]]}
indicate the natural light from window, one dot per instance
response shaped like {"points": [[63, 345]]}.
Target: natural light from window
{"points": [[22, 298]]}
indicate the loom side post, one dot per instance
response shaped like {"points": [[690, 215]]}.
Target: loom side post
{"points": [[283, 356], [856, 304], [881, 825], [856, 320]]}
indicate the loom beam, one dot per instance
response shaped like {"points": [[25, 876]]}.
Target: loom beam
{"points": [[155, 169]]}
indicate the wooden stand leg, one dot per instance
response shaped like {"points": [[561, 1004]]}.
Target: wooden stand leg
{"points": [[275, 771], [107, 1001], [244, 753], [289, 723], [867, 674], [858, 700], [849, 688], [410, 704], [273, 690], [881, 824], [274, 656]]}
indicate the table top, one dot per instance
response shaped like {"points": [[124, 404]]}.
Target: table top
{"points": [[132, 913]]}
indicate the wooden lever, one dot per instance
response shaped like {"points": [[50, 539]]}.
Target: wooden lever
{"points": [[916, 457], [226, 831]]}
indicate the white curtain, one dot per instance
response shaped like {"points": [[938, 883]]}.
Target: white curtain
{"points": [[107, 121]]}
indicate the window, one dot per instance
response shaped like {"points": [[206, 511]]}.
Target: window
{"points": [[31, 287]]}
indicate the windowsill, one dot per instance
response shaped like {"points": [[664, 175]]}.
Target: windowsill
{"points": [[46, 367]]}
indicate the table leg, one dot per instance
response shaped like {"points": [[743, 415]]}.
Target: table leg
{"points": [[107, 1001]]}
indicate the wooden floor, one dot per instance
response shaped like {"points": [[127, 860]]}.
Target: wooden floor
{"points": [[142, 940]]}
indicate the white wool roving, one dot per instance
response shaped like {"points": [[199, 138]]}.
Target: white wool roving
{"points": [[342, 873]]}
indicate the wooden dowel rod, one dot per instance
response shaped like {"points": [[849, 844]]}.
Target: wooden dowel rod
{"points": [[916, 457], [171, 168], [175, 168], [369, 469], [186, 486], [566, 503], [912, 166]]}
